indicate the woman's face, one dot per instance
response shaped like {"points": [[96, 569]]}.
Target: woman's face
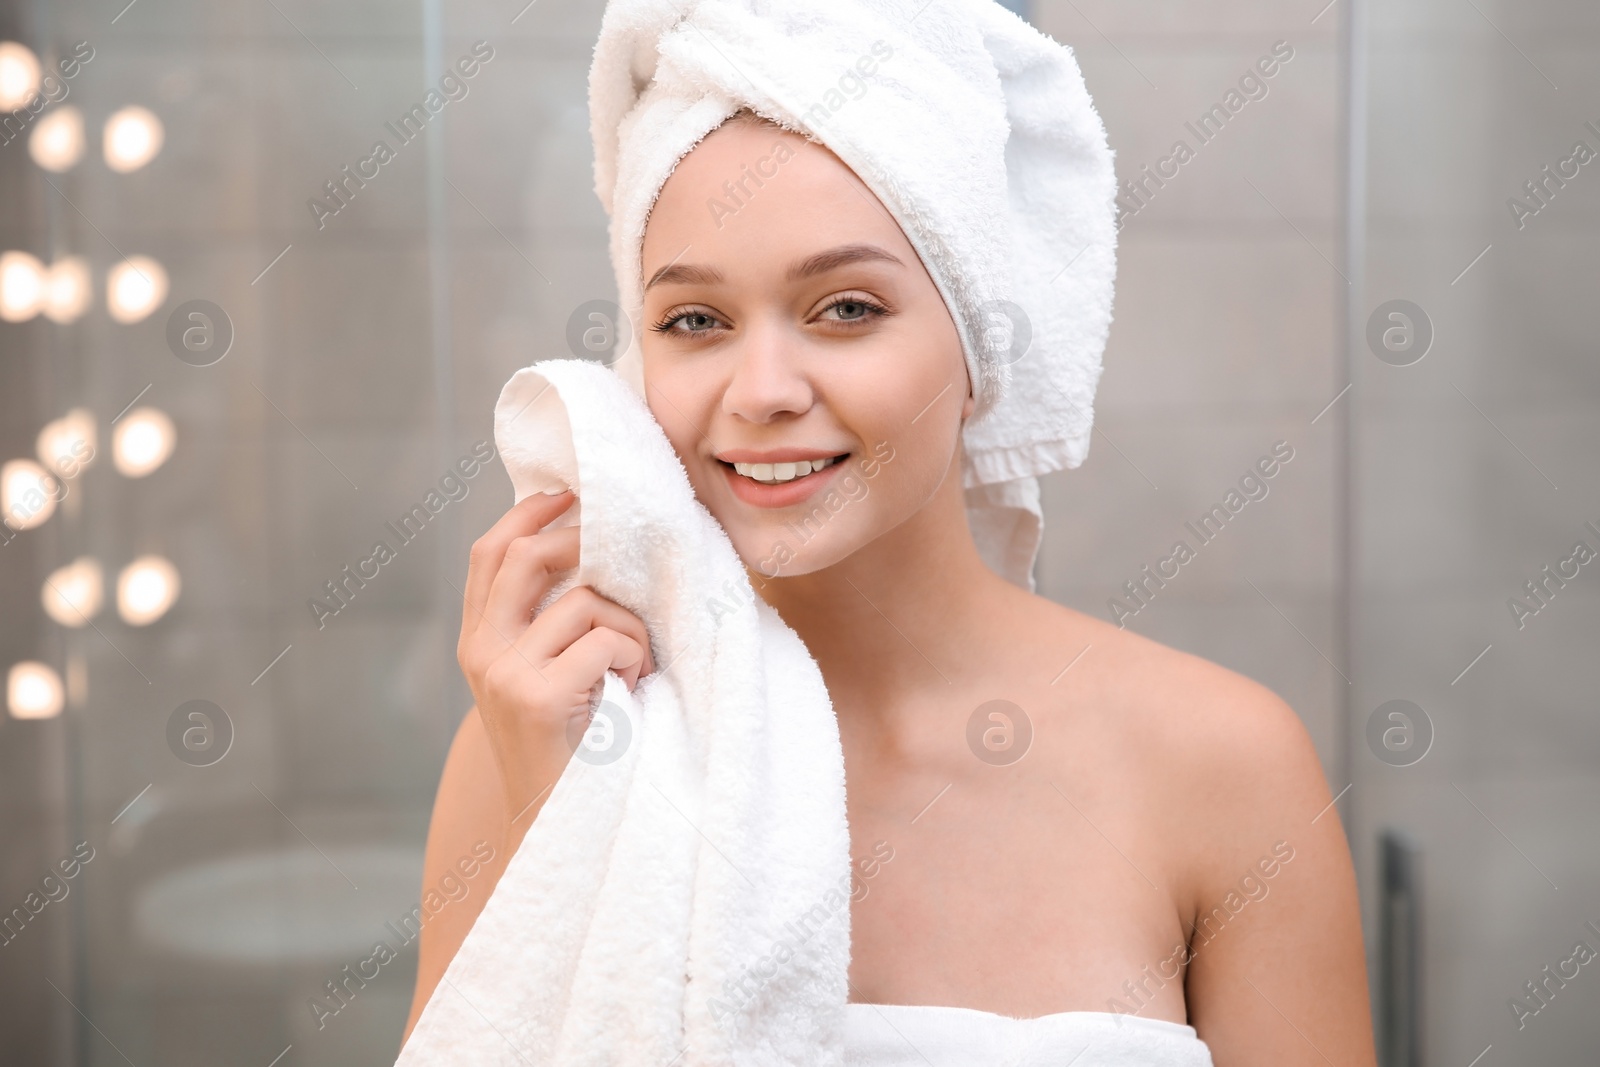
{"points": [[786, 317]]}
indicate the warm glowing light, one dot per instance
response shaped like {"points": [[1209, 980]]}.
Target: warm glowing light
{"points": [[19, 75], [21, 286], [57, 140], [134, 288], [67, 445], [28, 494], [33, 691], [133, 137], [146, 589], [66, 289], [73, 595], [142, 441]]}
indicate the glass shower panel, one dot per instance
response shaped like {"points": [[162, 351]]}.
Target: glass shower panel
{"points": [[1476, 522], [252, 765]]}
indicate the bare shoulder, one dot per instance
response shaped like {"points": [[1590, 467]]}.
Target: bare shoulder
{"points": [[1223, 768], [1261, 869], [1225, 744]]}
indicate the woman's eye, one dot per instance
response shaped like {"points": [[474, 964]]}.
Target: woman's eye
{"points": [[851, 310], [690, 321]]}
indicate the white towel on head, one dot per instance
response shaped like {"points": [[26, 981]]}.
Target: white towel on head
{"points": [[979, 137], [683, 896]]}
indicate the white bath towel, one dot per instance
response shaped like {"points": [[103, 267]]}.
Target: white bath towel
{"points": [[683, 896], [978, 135]]}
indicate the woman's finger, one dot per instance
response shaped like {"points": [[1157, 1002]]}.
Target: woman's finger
{"points": [[527, 572], [572, 615], [528, 516]]}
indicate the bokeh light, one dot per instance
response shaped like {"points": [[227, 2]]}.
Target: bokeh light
{"points": [[67, 445], [27, 494], [22, 286], [57, 140], [74, 594], [67, 289], [146, 588], [135, 288], [142, 441], [19, 75], [33, 691], [132, 138]]}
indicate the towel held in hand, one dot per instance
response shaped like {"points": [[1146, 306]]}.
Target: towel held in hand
{"points": [[682, 899], [685, 888]]}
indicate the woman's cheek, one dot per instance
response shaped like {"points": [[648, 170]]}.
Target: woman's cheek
{"points": [[910, 463]]}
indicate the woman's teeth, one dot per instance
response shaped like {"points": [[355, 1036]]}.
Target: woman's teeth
{"points": [[779, 473]]}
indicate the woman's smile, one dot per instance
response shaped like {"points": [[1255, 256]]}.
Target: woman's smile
{"points": [[780, 485]]}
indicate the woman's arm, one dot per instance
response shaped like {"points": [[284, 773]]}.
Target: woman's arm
{"points": [[1277, 975], [531, 674], [469, 809]]}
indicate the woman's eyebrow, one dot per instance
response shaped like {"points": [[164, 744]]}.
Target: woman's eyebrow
{"points": [[822, 262], [838, 257], [685, 274]]}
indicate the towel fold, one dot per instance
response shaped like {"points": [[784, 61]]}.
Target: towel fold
{"points": [[683, 896]]}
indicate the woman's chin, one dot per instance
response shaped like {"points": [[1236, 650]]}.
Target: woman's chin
{"points": [[777, 557]]}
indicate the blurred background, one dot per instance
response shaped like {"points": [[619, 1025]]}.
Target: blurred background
{"points": [[246, 364]]}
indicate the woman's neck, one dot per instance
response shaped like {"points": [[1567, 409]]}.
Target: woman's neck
{"points": [[902, 614]]}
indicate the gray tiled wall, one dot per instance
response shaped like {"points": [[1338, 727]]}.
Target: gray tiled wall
{"points": [[1225, 341]]}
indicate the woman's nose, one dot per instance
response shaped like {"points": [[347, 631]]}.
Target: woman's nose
{"points": [[767, 373]]}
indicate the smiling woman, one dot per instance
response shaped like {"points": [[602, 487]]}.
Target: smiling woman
{"points": [[805, 330], [808, 326], [793, 346]]}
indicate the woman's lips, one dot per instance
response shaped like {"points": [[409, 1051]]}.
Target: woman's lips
{"points": [[779, 496]]}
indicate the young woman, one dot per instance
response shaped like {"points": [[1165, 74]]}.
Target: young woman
{"points": [[1166, 848]]}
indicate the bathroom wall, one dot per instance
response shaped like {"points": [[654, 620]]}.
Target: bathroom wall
{"points": [[1475, 466], [1225, 342], [1248, 286]]}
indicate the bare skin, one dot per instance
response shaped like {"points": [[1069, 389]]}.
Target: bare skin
{"points": [[1155, 786]]}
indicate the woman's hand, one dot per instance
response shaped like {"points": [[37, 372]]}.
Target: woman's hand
{"points": [[532, 676]]}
